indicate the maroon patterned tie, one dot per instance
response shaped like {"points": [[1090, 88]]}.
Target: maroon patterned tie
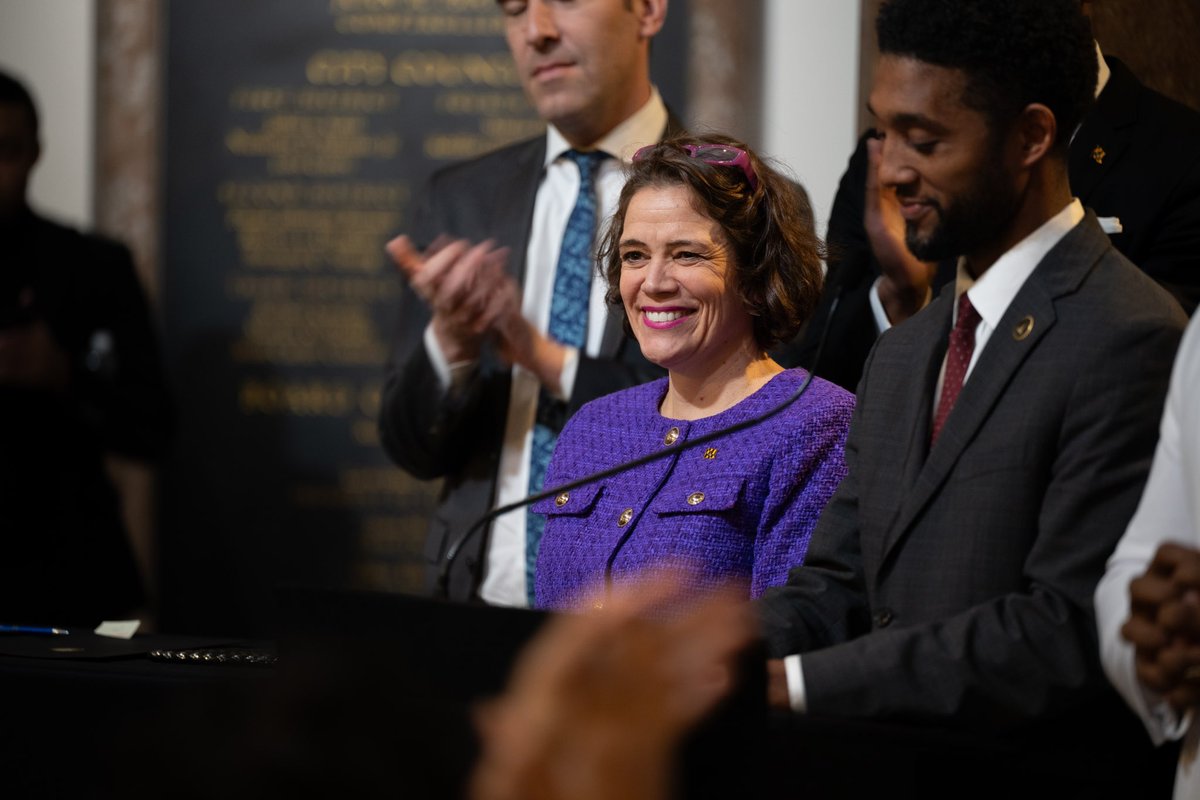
{"points": [[962, 345]]}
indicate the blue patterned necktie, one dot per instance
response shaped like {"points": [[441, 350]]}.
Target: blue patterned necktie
{"points": [[568, 325]]}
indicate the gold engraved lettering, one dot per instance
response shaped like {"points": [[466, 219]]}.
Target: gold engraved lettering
{"points": [[428, 68], [312, 398], [347, 68]]}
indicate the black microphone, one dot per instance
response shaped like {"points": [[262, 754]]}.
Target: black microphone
{"points": [[452, 552]]}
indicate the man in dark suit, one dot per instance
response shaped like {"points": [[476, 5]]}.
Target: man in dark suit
{"points": [[1133, 161], [80, 379], [1003, 434], [454, 404]]}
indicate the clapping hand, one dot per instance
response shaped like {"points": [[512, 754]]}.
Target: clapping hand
{"points": [[1164, 625], [906, 282], [471, 297]]}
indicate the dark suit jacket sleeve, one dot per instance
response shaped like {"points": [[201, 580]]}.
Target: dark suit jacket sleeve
{"points": [[424, 429], [824, 601], [1171, 251], [118, 388], [1022, 654], [427, 431]]}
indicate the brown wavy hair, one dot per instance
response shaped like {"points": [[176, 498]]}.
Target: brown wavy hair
{"points": [[776, 256]]}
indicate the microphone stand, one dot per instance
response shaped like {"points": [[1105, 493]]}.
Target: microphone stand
{"points": [[455, 549]]}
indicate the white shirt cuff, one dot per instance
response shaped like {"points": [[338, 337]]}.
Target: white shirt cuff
{"points": [[450, 376], [795, 683], [882, 323], [566, 378], [1168, 724]]}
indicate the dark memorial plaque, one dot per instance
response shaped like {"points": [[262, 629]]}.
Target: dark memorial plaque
{"points": [[298, 134]]}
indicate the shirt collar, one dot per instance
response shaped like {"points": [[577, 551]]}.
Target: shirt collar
{"points": [[992, 294], [645, 126], [1102, 71]]}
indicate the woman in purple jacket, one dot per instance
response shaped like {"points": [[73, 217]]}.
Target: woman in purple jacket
{"points": [[714, 262]]}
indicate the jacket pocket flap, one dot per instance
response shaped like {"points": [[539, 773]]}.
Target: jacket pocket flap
{"points": [[706, 496], [576, 502]]}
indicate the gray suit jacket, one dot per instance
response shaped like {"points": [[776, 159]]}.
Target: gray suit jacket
{"points": [[955, 583], [458, 437]]}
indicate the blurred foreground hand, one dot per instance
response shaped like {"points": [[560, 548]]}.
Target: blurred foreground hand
{"points": [[598, 703]]}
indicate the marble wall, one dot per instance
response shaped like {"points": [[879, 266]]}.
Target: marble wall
{"points": [[1157, 39], [128, 129]]}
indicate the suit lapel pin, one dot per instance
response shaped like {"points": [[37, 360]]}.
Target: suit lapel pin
{"points": [[1098, 154], [710, 453], [1023, 329]]}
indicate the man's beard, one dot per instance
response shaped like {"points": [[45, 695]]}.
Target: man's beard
{"points": [[974, 218]]}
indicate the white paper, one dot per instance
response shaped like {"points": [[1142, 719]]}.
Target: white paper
{"points": [[118, 628]]}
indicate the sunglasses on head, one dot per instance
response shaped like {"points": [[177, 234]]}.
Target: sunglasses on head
{"points": [[719, 155]]}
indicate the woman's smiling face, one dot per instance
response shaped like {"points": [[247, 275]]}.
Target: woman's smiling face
{"points": [[677, 283]]}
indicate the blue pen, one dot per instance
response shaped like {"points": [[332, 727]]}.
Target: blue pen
{"points": [[33, 629]]}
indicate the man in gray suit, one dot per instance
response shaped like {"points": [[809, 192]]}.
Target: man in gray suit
{"points": [[1003, 434], [1133, 160], [477, 362]]}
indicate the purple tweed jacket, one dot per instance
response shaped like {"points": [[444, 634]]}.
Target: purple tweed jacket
{"points": [[742, 506]]}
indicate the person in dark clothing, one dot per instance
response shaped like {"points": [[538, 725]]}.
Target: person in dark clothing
{"points": [[80, 378]]}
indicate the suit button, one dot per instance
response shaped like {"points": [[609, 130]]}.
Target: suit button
{"points": [[671, 437], [695, 498], [883, 617], [626, 515], [562, 499]]}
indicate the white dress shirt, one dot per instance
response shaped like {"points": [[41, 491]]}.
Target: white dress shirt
{"points": [[504, 578], [991, 295], [1169, 511]]}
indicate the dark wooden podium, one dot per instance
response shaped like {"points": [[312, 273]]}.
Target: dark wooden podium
{"points": [[372, 696]]}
